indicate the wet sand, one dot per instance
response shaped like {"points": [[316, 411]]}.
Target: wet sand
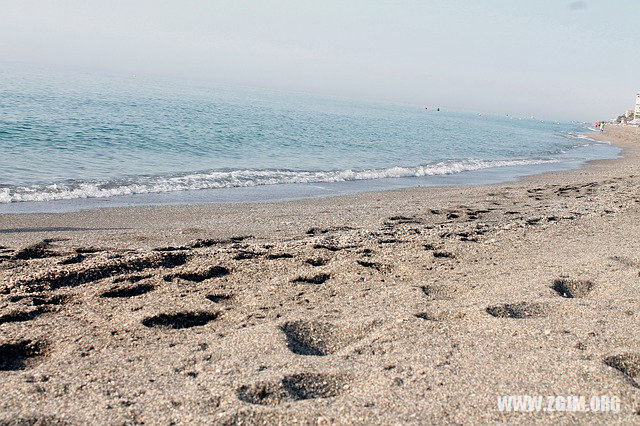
{"points": [[412, 306]]}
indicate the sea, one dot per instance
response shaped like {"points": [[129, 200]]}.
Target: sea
{"points": [[73, 140]]}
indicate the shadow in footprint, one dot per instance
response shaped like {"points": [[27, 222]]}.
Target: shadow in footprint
{"points": [[21, 316], [373, 265], [328, 247], [40, 299], [213, 272], [246, 254], [317, 338], [279, 256], [38, 250], [319, 231], [295, 387], [316, 262], [518, 310], [309, 338], [629, 364], [219, 298], [171, 248], [180, 320], [131, 278], [263, 394], [130, 291], [312, 386], [572, 288], [89, 250], [20, 355], [443, 255], [398, 220], [443, 291], [71, 278], [438, 316], [316, 279], [72, 260], [38, 420]]}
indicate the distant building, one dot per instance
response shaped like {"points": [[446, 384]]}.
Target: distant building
{"points": [[637, 112], [629, 114]]}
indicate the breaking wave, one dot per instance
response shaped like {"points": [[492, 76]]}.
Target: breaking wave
{"points": [[235, 178]]}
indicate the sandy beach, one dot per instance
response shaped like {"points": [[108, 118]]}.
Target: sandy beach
{"points": [[413, 306]]}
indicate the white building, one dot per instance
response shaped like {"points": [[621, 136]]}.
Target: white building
{"points": [[637, 111]]}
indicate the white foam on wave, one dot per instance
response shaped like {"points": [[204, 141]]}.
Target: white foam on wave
{"points": [[573, 135], [236, 178]]}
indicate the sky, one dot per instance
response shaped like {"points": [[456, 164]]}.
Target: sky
{"points": [[576, 60]]}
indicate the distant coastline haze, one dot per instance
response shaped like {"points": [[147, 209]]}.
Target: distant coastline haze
{"points": [[550, 59]]}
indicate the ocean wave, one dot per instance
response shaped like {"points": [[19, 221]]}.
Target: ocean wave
{"points": [[231, 179], [573, 135]]}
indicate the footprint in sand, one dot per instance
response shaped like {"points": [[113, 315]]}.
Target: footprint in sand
{"points": [[219, 298], [276, 256], [199, 276], [320, 231], [438, 316], [40, 299], [247, 255], [171, 248], [626, 261], [316, 279], [572, 288], [629, 364], [399, 220], [295, 387], [443, 255], [24, 315], [180, 320], [443, 291], [373, 265], [318, 338], [518, 310], [128, 291], [21, 355], [316, 262], [131, 278], [38, 250], [73, 259], [52, 280]]}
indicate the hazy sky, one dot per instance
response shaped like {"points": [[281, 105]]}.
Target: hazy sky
{"points": [[552, 58]]}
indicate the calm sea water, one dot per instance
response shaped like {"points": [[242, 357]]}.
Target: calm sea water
{"points": [[79, 136]]}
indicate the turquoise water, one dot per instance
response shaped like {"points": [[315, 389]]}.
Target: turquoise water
{"points": [[75, 136]]}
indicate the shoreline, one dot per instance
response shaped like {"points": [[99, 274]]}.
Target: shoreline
{"points": [[415, 306], [573, 160], [82, 219]]}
